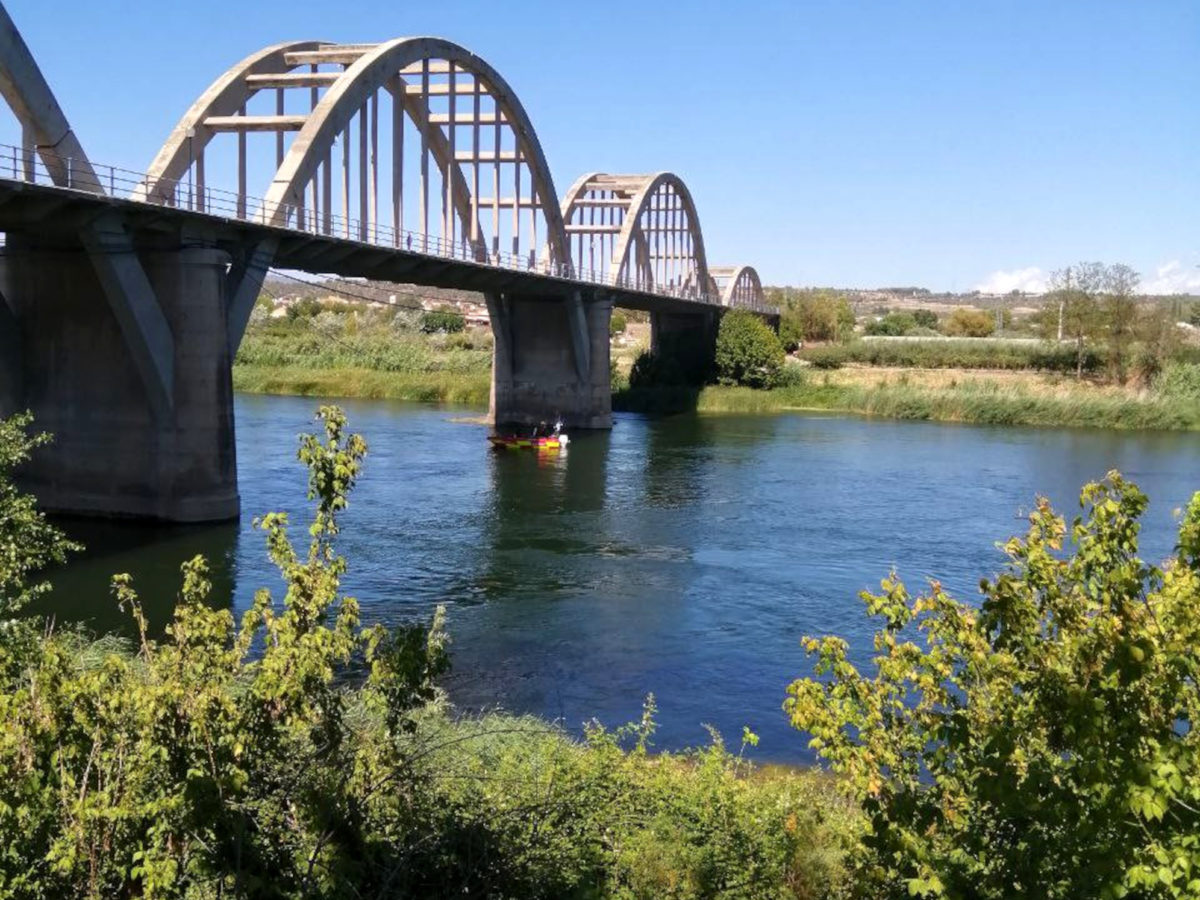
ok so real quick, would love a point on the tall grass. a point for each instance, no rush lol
(977, 402)
(456, 388)
(953, 354)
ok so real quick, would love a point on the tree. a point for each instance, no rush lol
(1073, 292)
(28, 542)
(970, 323)
(816, 315)
(748, 351)
(617, 323)
(1120, 311)
(1042, 744)
(925, 318)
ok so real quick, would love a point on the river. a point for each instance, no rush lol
(684, 556)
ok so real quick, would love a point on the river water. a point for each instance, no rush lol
(684, 556)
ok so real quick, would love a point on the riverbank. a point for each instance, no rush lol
(968, 396)
(942, 395)
(455, 388)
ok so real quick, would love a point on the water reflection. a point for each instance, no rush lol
(152, 554)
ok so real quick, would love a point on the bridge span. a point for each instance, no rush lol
(126, 294)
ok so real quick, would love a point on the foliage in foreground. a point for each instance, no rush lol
(299, 754)
(1042, 744)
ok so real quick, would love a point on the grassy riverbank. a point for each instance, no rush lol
(456, 388)
(991, 398)
(383, 355)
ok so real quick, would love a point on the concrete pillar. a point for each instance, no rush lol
(688, 339)
(10, 358)
(114, 452)
(551, 360)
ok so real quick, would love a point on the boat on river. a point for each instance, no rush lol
(540, 440)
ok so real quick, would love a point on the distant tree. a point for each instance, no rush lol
(1120, 311)
(1073, 293)
(1194, 318)
(748, 351)
(617, 323)
(925, 318)
(970, 323)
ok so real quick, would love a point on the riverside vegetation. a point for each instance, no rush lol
(1041, 743)
(1143, 379)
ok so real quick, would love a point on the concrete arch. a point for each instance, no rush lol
(224, 97)
(634, 196)
(45, 129)
(371, 73)
(739, 286)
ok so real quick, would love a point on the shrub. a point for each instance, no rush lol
(970, 323)
(1179, 381)
(925, 318)
(791, 333)
(894, 324)
(748, 351)
(304, 308)
(617, 323)
(445, 321)
(1042, 744)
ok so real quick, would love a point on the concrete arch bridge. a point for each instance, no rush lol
(126, 293)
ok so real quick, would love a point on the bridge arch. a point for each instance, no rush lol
(739, 286)
(638, 231)
(448, 106)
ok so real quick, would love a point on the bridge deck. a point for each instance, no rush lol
(53, 210)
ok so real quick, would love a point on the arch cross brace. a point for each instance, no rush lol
(134, 304)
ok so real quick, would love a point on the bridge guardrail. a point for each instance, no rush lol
(29, 165)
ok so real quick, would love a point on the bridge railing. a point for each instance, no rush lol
(29, 165)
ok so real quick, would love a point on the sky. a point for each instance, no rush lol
(855, 143)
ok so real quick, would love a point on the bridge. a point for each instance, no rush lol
(126, 293)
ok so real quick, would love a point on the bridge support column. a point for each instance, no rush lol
(551, 360)
(689, 340)
(119, 450)
(10, 357)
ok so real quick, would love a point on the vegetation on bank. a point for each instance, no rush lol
(296, 753)
(1041, 743)
(365, 350)
(983, 401)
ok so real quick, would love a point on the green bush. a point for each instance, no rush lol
(1179, 381)
(1041, 744)
(748, 351)
(976, 323)
(617, 323)
(955, 354)
(304, 308)
(894, 324)
(925, 318)
(445, 321)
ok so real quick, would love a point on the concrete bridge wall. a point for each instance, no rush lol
(551, 360)
(116, 453)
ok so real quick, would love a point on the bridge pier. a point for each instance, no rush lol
(124, 356)
(551, 360)
(688, 340)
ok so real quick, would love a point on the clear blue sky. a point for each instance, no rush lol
(867, 143)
